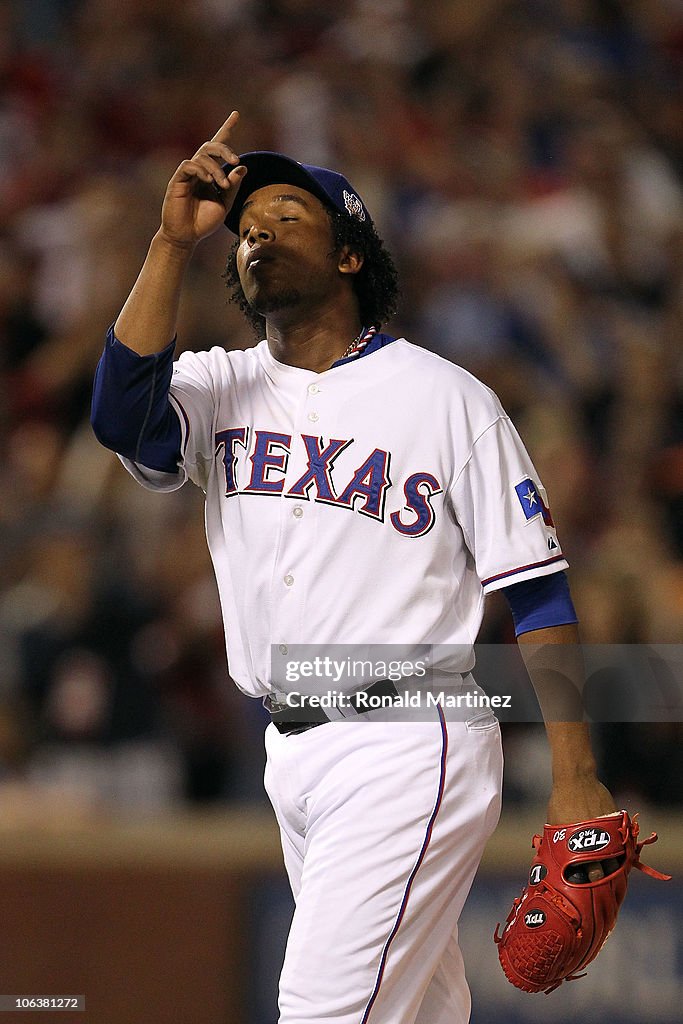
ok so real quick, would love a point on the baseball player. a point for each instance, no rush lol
(359, 491)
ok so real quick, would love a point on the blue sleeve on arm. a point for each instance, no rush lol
(542, 602)
(131, 413)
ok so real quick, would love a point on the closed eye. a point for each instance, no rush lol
(245, 231)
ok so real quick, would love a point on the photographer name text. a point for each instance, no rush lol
(406, 699)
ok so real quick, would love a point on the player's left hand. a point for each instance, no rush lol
(579, 799)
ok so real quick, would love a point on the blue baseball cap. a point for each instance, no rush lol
(329, 187)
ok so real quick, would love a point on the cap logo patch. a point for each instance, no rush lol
(353, 205)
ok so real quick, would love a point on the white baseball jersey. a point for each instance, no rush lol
(374, 503)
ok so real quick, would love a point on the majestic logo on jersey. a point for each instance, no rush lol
(265, 457)
(532, 502)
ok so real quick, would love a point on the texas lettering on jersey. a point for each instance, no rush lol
(263, 456)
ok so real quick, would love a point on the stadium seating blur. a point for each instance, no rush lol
(522, 161)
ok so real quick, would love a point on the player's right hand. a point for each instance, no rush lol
(201, 192)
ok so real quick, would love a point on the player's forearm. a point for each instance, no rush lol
(147, 322)
(555, 665)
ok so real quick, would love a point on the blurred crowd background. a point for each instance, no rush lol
(523, 163)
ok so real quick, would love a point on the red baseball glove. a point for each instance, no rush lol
(561, 920)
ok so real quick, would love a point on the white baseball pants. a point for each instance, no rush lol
(383, 825)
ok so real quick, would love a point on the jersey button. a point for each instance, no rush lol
(289, 579)
(313, 417)
(297, 512)
(313, 389)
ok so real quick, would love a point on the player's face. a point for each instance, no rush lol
(285, 259)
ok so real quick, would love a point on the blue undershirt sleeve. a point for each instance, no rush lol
(541, 602)
(131, 413)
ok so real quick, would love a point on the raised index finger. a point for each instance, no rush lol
(223, 133)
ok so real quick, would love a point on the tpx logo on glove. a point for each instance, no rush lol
(588, 839)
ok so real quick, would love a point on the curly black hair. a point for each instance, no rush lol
(375, 284)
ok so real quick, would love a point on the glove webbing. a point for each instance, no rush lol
(645, 868)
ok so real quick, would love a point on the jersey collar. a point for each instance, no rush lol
(286, 375)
